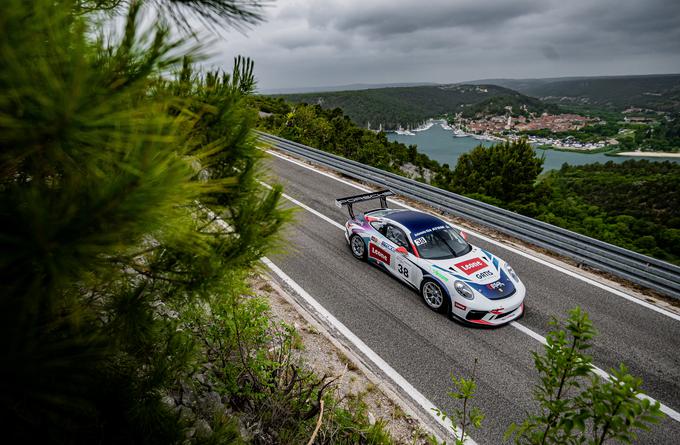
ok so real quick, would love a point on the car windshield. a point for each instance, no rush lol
(441, 244)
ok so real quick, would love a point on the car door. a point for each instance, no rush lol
(380, 249)
(402, 265)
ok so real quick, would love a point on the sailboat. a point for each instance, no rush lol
(403, 132)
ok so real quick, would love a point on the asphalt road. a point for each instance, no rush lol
(425, 347)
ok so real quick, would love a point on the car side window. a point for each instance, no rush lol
(379, 226)
(397, 236)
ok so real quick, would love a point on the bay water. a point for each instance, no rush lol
(442, 146)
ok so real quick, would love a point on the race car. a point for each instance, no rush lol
(429, 255)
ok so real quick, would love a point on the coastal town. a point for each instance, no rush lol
(513, 127)
(544, 130)
(563, 131)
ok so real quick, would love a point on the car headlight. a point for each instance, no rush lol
(511, 272)
(464, 290)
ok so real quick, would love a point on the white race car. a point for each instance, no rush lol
(431, 256)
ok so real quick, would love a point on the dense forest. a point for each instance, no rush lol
(655, 91)
(509, 104)
(634, 204)
(394, 107)
(662, 137)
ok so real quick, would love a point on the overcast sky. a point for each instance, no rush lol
(339, 42)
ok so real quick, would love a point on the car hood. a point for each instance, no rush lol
(481, 271)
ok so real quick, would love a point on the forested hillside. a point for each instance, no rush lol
(657, 92)
(514, 104)
(348, 87)
(409, 106)
(332, 131)
(635, 204)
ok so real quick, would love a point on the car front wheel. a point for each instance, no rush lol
(358, 247)
(434, 296)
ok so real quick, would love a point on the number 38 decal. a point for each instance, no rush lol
(402, 270)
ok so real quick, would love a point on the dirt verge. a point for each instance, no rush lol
(326, 355)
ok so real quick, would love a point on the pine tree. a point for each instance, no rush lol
(106, 170)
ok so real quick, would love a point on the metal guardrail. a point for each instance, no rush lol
(632, 266)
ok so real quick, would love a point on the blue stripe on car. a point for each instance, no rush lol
(502, 288)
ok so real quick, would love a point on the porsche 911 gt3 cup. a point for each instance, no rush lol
(429, 255)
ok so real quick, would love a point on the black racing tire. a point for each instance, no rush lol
(434, 296)
(358, 247)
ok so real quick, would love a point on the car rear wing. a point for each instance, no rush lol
(350, 200)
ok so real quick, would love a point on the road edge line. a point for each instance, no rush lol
(325, 317)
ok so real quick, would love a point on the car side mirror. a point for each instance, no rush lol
(464, 235)
(402, 250)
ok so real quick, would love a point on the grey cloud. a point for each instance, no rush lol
(384, 19)
(550, 53)
(376, 41)
(294, 41)
(631, 25)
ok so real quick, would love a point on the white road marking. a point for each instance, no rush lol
(506, 247)
(416, 395)
(529, 332)
(306, 207)
(670, 412)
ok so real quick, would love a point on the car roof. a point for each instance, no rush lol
(415, 222)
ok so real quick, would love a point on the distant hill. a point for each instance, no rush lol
(350, 87)
(515, 104)
(523, 86)
(392, 107)
(657, 92)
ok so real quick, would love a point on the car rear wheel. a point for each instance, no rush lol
(358, 247)
(434, 296)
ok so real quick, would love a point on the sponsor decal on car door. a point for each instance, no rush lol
(380, 255)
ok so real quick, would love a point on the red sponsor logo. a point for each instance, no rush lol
(471, 266)
(379, 254)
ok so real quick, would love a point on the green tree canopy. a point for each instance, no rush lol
(505, 171)
(105, 168)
